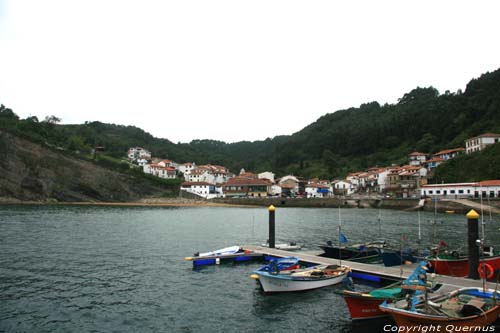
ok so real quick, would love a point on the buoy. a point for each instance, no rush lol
(487, 271)
(254, 276)
(188, 258)
(217, 261)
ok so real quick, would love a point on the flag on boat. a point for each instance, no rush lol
(342, 238)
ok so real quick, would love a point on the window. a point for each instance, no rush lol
(452, 191)
(460, 191)
(431, 192)
(438, 191)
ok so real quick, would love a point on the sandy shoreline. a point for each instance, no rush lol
(149, 202)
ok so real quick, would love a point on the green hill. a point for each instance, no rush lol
(337, 143)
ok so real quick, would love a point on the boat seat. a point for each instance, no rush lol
(451, 306)
(476, 302)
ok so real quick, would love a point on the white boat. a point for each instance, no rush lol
(300, 280)
(225, 251)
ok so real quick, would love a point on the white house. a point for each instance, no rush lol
(202, 189)
(316, 190)
(487, 188)
(275, 190)
(186, 168)
(382, 178)
(449, 153)
(136, 153)
(343, 187)
(266, 175)
(417, 158)
(478, 143)
(199, 175)
(142, 162)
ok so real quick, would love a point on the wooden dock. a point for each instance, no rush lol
(377, 270)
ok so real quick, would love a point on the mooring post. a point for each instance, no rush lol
(271, 210)
(473, 236)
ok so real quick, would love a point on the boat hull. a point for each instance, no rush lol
(459, 267)
(442, 321)
(393, 258)
(368, 255)
(409, 321)
(278, 283)
(362, 306)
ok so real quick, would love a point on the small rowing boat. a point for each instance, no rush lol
(302, 279)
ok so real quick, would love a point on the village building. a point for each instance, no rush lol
(186, 168)
(202, 189)
(434, 162)
(478, 143)
(136, 153)
(449, 153)
(318, 189)
(243, 186)
(485, 189)
(354, 179)
(417, 158)
(267, 175)
(208, 173)
(343, 187)
(160, 170)
(290, 186)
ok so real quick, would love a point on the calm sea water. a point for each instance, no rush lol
(116, 269)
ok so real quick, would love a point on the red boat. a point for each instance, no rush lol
(463, 310)
(366, 305)
(459, 266)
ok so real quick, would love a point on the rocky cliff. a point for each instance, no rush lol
(33, 172)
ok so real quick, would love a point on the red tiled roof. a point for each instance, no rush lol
(416, 153)
(490, 183)
(448, 151)
(247, 181)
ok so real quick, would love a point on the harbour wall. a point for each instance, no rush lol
(441, 206)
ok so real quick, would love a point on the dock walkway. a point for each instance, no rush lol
(378, 270)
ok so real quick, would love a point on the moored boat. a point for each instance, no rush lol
(392, 257)
(231, 254)
(454, 264)
(462, 310)
(301, 280)
(365, 305)
(366, 252)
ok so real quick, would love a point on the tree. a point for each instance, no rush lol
(52, 119)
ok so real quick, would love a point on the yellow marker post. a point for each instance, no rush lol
(472, 237)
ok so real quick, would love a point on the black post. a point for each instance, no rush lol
(473, 236)
(271, 227)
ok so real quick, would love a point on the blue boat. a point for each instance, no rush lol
(275, 265)
(392, 257)
(232, 254)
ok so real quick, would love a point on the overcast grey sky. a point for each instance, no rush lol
(234, 70)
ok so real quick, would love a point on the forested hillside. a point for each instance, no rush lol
(337, 143)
